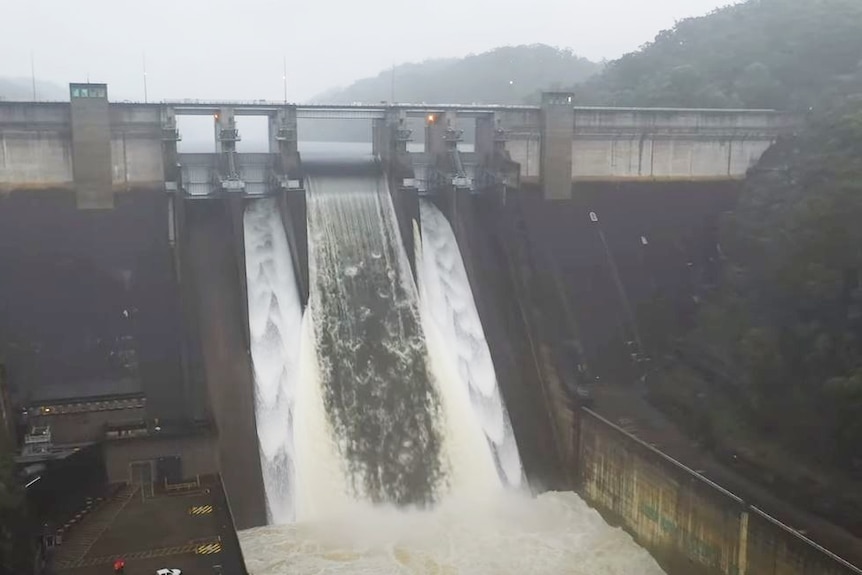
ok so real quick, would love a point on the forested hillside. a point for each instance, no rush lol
(777, 345)
(502, 76)
(786, 54)
(774, 352)
(507, 75)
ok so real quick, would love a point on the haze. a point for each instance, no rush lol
(236, 50)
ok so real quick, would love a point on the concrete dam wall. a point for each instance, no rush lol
(89, 301)
(151, 291)
(547, 269)
(215, 276)
(688, 523)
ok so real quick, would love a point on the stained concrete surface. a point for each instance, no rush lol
(88, 298)
(540, 274)
(211, 266)
(626, 406)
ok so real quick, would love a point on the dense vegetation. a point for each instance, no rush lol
(785, 54)
(777, 347)
(503, 76)
(774, 353)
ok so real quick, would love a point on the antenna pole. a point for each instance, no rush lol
(144, 61)
(284, 78)
(392, 85)
(33, 73)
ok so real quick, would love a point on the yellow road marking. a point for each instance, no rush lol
(208, 549)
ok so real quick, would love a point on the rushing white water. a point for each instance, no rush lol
(398, 412)
(384, 440)
(508, 533)
(274, 317)
(372, 364)
(450, 307)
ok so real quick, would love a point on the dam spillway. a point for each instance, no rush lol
(275, 316)
(394, 452)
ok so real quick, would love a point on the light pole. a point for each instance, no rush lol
(144, 64)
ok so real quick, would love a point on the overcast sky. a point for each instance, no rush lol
(235, 50)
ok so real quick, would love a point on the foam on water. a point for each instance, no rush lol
(449, 307)
(507, 533)
(321, 484)
(378, 398)
(373, 374)
(274, 318)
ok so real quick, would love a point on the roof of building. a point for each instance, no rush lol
(86, 390)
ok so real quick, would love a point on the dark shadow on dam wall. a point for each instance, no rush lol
(552, 288)
(649, 241)
(212, 256)
(88, 300)
(541, 275)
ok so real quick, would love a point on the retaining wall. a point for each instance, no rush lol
(689, 524)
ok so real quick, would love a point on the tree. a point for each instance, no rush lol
(784, 54)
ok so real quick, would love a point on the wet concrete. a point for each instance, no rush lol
(88, 299)
(216, 275)
(659, 240)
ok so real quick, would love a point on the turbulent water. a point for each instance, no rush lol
(274, 317)
(374, 373)
(385, 445)
(505, 534)
(449, 306)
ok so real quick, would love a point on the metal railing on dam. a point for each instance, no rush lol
(689, 523)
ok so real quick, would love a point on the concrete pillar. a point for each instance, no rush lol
(227, 136)
(284, 140)
(195, 386)
(292, 205)
(170, 137)
(486, 127)
(558, 126)
(91, 146)
(380, 139)
(236, 206)
(390, 136)
(407, 208)
(436, 125)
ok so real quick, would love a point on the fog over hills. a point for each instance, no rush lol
(22, 89)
